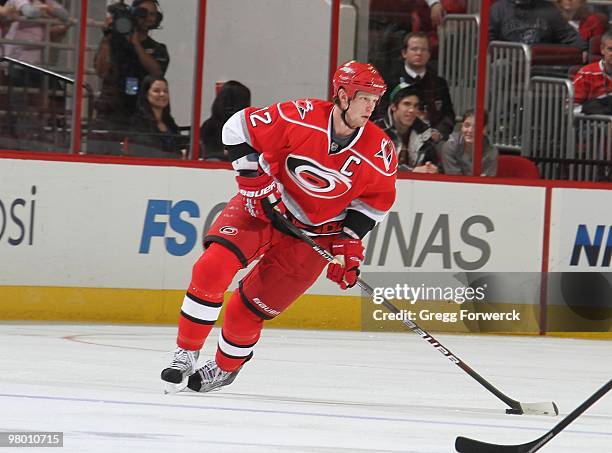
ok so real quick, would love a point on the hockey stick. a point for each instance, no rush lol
(465, 445)
(516, 407)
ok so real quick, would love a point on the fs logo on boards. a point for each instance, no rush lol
(592, 245)
(173, 223)
(163, 213)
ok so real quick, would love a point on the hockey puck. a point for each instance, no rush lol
(514, 411)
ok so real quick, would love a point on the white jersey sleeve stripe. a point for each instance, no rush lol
(374, 214)
(235, 131)
(311, 126)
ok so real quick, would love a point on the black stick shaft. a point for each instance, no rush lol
(575, 413)
(410, 324)
(443, 350)
(467, 445)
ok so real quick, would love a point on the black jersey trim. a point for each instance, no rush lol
(235, 152)
(358, 222)
(227, 244)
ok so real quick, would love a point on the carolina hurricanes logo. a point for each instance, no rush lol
(229, 230)
(303, 106)
(315, 179)
(386, 152)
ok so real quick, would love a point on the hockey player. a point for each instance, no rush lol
(331, 172)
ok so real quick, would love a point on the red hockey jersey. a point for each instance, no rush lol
(318, 186)
(592, 82)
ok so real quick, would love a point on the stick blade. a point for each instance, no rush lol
(540, 409)
(467, 445)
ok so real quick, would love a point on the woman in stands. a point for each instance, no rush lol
(153, 131)
(458, 151)
(587, 23)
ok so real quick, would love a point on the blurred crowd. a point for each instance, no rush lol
(418, 110)
(131, 113)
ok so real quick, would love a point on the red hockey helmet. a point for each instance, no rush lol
(354, 76)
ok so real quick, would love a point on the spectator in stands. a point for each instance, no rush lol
(440, 8)
(587, 23)
(33, 31)
(391, 20)
(7, 14)
(458, 151)
(30, 111)
(593, 82)
(153, 127)
(232, 97)
(531, 22)
(411, 134)
(434, 93)
(123, 61)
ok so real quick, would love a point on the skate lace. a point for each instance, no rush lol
(211, 373)
(183, 360)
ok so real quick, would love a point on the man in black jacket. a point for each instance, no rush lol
(432, 89)
(124, 60)
(531, 22)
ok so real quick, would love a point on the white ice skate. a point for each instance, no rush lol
(210, 377)
(182, 366)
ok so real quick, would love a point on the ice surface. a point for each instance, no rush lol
(304, 391)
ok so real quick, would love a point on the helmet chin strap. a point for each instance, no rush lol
(343, 116)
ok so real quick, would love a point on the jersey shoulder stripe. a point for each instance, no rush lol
(311, 113)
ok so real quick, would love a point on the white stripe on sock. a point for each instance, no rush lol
(234, 351)
(199, 311)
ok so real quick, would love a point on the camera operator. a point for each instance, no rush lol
(126, 55)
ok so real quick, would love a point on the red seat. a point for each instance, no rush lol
(595, 48)
(516, 167)
(555, 54)
(455, 6)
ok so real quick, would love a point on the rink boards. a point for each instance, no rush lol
(116, 243)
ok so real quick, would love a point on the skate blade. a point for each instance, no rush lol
(171, 389)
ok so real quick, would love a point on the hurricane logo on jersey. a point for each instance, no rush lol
(386, 152)
(303, 106)
(315, 179)
(229, 230)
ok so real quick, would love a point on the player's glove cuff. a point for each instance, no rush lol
(348, 255)
(254, 190)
